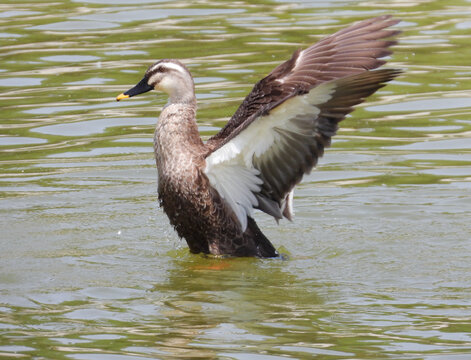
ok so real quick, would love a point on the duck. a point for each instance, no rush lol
(210, 190)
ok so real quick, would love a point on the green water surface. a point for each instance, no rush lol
(379, 254)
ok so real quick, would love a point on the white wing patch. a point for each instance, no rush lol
(230, 168)
(298, 60)
(296, 64)
(236, 184)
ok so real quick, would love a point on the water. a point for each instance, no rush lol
(379, 253)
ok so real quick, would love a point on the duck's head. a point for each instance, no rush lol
(169, 76)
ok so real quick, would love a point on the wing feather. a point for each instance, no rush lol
(282, 127)
(260, 166)
(349, 51)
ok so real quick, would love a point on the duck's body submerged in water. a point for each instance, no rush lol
(209, 190)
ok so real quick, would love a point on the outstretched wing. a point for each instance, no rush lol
(352, 50)
(283, 126)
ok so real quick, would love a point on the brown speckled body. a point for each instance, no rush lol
(194, 208)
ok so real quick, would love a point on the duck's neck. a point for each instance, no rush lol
(177, 141)
(183, 95)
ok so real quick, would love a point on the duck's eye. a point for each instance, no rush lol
(161, 69)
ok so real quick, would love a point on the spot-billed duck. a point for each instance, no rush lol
(210, 190)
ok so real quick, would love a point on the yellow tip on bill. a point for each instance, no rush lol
(121, 97)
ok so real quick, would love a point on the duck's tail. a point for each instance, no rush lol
(263, 247)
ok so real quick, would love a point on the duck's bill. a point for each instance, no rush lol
(140, 88)
(121, 97)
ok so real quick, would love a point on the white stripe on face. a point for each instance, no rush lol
(169, 65)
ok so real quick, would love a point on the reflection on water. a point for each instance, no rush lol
(427, 105)
(377, 258)
(83, 128)
(12, 82)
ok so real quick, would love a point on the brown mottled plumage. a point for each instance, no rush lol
(275, 137)
(194, 208)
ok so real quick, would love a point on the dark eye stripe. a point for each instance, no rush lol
(160, 69)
